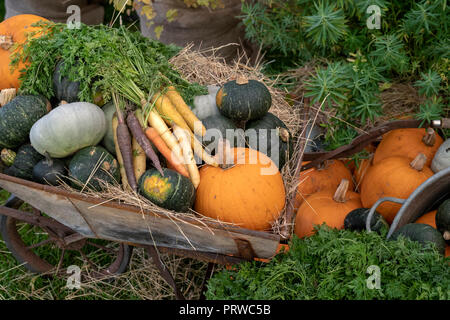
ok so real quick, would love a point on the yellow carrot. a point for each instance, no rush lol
(189, 160)
(139, 159)
(126, 186)
(167, 110)
(183, 109)
(163, 130)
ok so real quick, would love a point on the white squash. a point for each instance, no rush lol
(205, 106)
(68, 128)
(441, 159)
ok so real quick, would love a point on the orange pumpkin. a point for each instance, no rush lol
(325, 178)
(428, 218)
(326, 207)
(14, 31)
(408, 143)
(361, 171)
(447, 251)
(393, 177)
(250, 193)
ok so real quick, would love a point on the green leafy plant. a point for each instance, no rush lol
(333, 265)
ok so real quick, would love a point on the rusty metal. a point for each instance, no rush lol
(245, 249)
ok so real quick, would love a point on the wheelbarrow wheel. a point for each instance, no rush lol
(41, 250)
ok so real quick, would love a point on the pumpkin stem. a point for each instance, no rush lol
(6, 95)
(419, 162)
(223, 155)
(447, 235)
(241, 80)
(341, 191)
(430, 138)
(6, 42)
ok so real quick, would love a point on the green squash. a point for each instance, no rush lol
(49, 171)
(443, 219)
(64, 89)
(422, 233)
(243, 101)
(18, 116)
(68, 128)
(92, 165)
(270, 136)
(27, 157)
(8, 156)
(172, 192)
(356, 220)
(217, 127)
(108, 140)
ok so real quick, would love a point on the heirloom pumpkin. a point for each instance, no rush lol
(428, 218)
(250, 193)
(64, 89)
(243, 100)
(326, 207)
(18, 117)
(408, 143)
(14, 31)
(394, 177)
(68, 128)
(422, 233)
(216, 124)
(443, 219)
(49, 171)
(27, 157)
(326, 177)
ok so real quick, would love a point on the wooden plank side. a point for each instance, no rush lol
(118, 224)
(56, 206)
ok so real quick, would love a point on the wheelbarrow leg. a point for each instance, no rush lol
(165, 273)
(208, 274)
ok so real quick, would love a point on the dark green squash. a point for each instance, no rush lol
(18, 116)
(242, 100)
(49, 171)
(422, 233)
(356, 220)
(172, 192)
(64, 89)
(92, 165)
(260, 137)
(217, 126)
(443, 219)
(27, 157)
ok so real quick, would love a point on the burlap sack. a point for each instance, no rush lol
(56, 10)
(204, 27)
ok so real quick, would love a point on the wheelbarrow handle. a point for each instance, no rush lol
(376, 205)
(443, 123)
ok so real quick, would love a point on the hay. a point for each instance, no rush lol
(206, 68)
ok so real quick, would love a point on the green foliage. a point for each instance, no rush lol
(101, 59)
(413, 40)
(333, 265)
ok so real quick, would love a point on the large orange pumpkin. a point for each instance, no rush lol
(326, 207)
(408, 143)
(14, 31)
(325, 178)
(394, 177)
(248, 193)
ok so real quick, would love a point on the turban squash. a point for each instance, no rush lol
(13, 31)
(249, 194)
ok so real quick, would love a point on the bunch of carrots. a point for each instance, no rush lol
(170, 126)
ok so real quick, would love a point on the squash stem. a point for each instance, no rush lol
(430, 138)
(419, 162)
(341, 191)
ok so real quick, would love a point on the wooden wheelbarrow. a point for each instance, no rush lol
(75, 222)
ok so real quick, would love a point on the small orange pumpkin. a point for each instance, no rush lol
(325, 177)
(428, 218)
(14, 31)
(248, 193)
(408, 143)
(393, 177)
(326, 207)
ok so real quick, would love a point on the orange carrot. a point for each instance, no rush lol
(159, 143)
